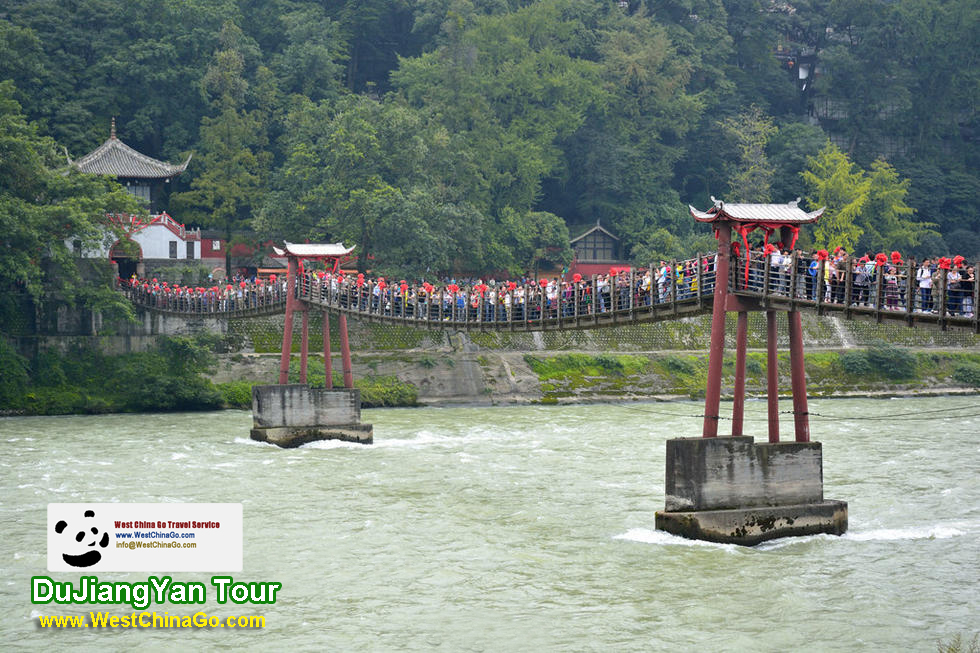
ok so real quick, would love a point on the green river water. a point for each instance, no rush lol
(519, 529)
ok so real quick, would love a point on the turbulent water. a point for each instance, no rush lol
(520, 529)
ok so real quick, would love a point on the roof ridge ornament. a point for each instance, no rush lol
(795, 203)
(112, 129)
(718, 203)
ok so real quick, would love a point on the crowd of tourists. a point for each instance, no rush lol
(881, 281)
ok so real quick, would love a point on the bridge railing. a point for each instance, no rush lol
(880, 290)
(857, 286)
(629, 295)
(234, 301)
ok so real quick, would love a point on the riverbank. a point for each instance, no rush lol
(514, 378)
(183, 373)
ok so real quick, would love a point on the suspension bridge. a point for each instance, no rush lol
(726, 489)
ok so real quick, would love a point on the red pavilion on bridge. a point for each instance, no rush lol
(742, 219)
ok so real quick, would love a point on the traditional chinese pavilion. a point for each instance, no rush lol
(732, 223)
(156, 237)
(141, 175)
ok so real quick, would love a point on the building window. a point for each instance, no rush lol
(173, 249)
(595, 247)
(190, 249)
(76, 245)
(140, 191)
(215, 245)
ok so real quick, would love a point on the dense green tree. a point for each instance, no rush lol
(833, 181)
(788, 151)
(312, 63)
(752, 174)
(233, 166)
(44, 208)
(888, 221)
(574, 108)
(866, 211)
(368, 173)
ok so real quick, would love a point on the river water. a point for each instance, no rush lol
(520, 529)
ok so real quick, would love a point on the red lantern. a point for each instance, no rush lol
(228, 287)
(958, 260)
(613, 272)
(769, 249)
(360, 281)
(272, 277)
(543, 282)
(896, 258)
(321, 274)
(880, 259)
(241, 284)
(511, 286)
(576, 277)
(822, 255)
(944, 263)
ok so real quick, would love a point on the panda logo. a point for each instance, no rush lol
(86, 539)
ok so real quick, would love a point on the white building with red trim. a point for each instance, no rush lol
(156, 237)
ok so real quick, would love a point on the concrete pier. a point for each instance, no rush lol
(294, 414)
(730, 489)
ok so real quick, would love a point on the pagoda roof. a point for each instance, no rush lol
(782, 214)
(313, 250)
(116, 159)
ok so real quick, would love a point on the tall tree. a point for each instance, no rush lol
(44, 209)
(751, 178)
(889, 222)
(836, 183)
(234, 163)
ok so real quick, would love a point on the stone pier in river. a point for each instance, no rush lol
(294, 414)
(730, 489)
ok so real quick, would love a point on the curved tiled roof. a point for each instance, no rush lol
(314, 250)
(116, 159)
(766, 213)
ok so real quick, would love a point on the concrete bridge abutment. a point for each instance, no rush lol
(294, 414)
(732, 490)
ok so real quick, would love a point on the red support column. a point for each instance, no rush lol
(287, 332)
(327, 364)
(304, 345)
(772, 376)
(741, 344)
(712, 395)
(345, 353)
(801, 415)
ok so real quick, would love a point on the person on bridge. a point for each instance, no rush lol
(924, 277)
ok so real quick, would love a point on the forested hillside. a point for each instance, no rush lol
(472, 135)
